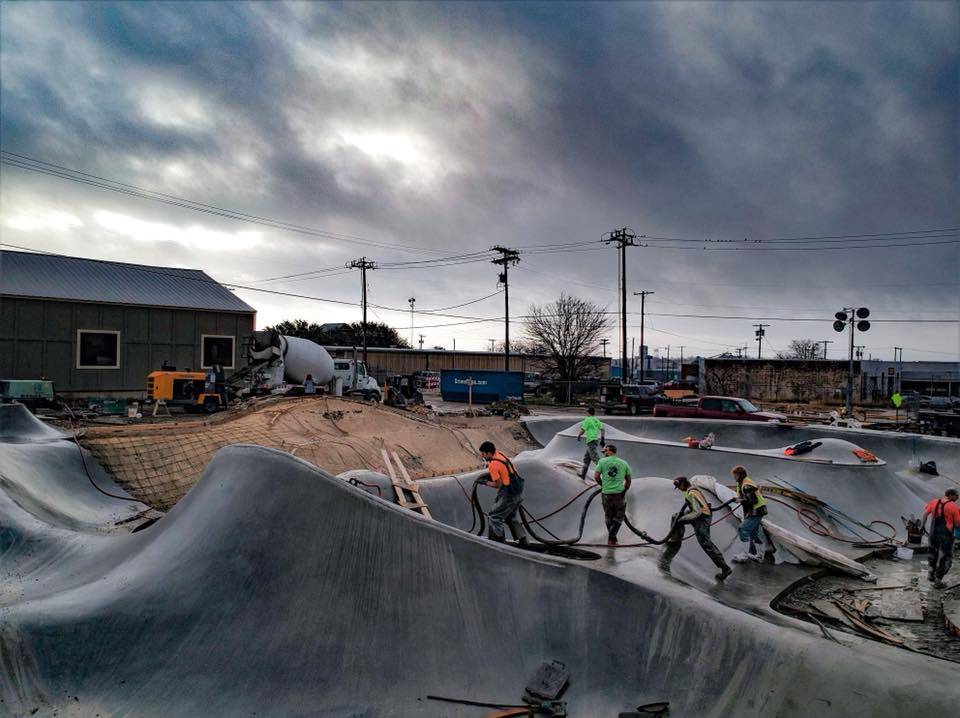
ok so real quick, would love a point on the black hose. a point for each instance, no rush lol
(83, 460)
(526, 518)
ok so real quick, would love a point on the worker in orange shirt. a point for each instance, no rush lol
(509, 484)
(946, 516)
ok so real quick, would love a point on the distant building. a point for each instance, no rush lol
(98, 328)
(800, 380)
(384, 362)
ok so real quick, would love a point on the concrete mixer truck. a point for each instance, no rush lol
(276, 362)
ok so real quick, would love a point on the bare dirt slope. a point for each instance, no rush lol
(159, 463)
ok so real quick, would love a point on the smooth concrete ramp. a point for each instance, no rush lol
(17, 424)
(276, 589)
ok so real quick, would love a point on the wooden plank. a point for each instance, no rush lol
(386, 461)
(402, 468)
(404, 486)
(865, 627)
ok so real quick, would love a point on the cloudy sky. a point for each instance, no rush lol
(419, 135)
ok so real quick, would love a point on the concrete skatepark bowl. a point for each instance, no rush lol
(276, 589)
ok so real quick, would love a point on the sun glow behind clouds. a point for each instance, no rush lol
(414, 155)
(44, 221)
(192, 237)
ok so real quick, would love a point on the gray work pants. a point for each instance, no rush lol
(591, 454)
(505, 510)
(701, 529)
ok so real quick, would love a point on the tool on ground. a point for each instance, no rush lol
(658, 708)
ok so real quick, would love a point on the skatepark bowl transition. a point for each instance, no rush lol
(276, 589)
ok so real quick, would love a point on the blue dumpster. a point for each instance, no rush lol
(487, 386)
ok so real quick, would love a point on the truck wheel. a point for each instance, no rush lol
(376, 397)
(633, 409)
(210, 405)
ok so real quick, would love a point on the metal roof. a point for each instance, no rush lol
(54, 276)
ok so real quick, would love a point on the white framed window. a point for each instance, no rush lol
(98, 349)
(217, 349)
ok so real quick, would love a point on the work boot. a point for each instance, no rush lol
(744, 555)
(611, 541)
(724, 572)
(493, 537)
(939, 583)
(522, 542)
(930, 577)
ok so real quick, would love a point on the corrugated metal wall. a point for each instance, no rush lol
(408, 361)
(39, 338)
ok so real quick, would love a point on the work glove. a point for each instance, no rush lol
(602, 442)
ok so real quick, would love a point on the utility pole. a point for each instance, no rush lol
(859, 348)
(624, 238)
(643, 299)
(739, 352)
(825, 342)
(363, 264)
(603, 343)
(680, 373)
(759, 333)
(669, 365)
(900, 369)
(492, 344)
(412, 300)
(506, 258)
(633, 356)
(421, 341)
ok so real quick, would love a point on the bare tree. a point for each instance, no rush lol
(801, 349)
(569, 331)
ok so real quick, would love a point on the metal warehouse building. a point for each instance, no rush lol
(98, 328)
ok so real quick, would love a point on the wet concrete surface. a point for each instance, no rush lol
(274, 588)
(930, 635)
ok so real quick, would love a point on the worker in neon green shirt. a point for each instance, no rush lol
(593, 429)
(613, 475)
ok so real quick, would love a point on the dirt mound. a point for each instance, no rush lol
(159, 463)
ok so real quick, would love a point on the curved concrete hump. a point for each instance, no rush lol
(17, 424)
(274, 588)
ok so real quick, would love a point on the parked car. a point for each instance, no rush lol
(717, 407)
(534, 383)
(630, 398)
(943, 402)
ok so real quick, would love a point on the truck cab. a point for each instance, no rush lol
(356, 381)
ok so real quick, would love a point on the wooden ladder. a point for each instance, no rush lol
(408, 492)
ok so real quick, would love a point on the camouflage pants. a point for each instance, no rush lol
(614, 511)
(591, 454)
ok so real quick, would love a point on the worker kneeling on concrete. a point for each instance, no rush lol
(946, 517)
(696, 512)
(754, 509)
(504, 476)
(613, 475)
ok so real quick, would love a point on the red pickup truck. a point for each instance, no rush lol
(717, 407)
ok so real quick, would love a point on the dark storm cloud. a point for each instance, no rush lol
(455, 126)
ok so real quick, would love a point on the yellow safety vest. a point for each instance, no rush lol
(750, 482)
(694, 498)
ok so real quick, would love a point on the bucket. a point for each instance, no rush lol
(904, 554)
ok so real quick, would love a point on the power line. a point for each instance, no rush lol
(47, 168)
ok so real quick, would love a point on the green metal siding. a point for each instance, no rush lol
(39, 339)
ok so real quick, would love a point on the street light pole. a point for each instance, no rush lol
(850, 315)
(412, 300)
